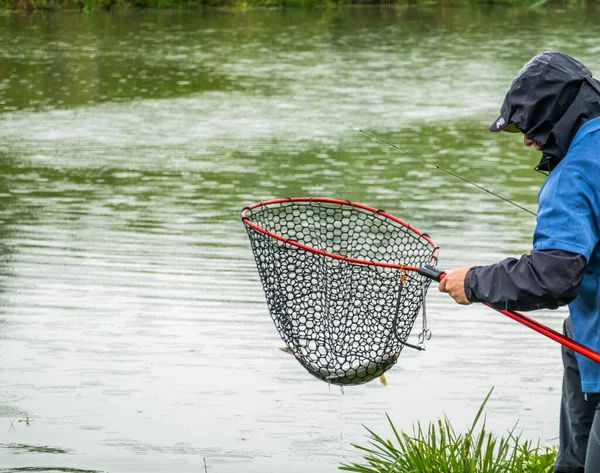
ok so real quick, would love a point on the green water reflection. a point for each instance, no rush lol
(129, 144)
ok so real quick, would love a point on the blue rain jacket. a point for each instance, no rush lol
(569, 220)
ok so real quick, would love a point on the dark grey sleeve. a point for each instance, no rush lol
(541, 280)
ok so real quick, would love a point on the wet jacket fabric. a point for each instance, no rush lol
(555, 102)
(567, 229)
(542, 280)
(569, 219)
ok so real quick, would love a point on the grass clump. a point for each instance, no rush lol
(439, 449)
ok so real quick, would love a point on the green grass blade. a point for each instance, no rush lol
(440, 449)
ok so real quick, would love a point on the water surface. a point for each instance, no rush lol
(134, 332)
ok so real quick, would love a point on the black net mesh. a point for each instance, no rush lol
(345, 322)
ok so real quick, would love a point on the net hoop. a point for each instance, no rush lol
(319, 251)
(341, 282)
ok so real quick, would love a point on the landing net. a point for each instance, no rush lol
(332, 272)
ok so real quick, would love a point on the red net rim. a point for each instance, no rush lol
(367, 208)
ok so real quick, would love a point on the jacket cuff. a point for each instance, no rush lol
(468, 286)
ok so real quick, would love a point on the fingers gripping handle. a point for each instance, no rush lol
(437, 274)
(432, 272)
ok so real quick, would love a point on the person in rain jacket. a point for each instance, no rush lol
(555, 103)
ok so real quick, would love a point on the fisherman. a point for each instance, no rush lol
(555, 103)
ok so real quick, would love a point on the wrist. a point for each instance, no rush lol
(468, 286)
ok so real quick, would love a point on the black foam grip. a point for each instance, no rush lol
(431, 272)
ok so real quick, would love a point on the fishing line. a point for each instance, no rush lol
(386, 187)
(445, 170)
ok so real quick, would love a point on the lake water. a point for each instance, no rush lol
(134, 333)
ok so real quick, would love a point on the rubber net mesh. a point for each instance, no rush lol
(345, 322)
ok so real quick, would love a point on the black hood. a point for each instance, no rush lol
(552, 96)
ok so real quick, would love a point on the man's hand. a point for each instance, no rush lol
(454, 284)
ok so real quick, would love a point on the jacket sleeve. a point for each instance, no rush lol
(545, 279)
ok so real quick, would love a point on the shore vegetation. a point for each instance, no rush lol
(99, 5)
(440, 449)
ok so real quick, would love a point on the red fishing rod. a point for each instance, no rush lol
(437, 274)
(287, 206)
(344, 283)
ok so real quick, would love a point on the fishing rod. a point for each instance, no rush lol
(370, 135)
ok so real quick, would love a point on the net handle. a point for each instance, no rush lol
(428, 271)
(319, 251)
(437, 274)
